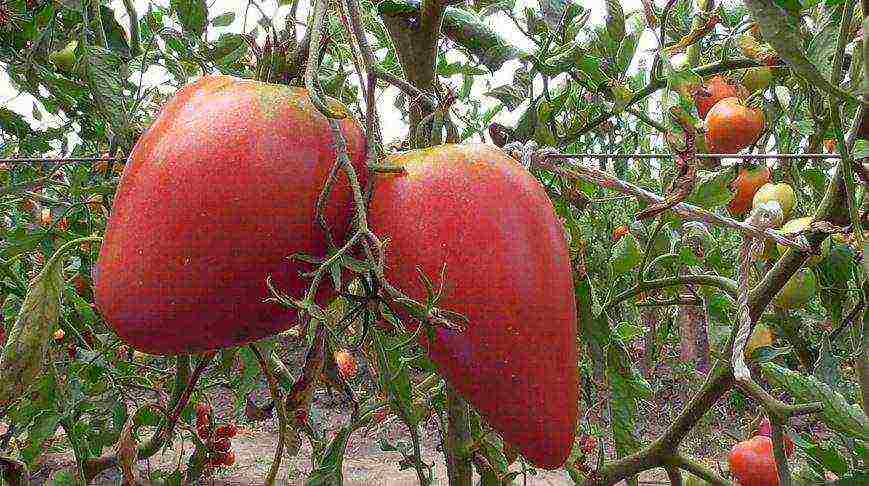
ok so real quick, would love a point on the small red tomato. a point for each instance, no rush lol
(63, 225)
(203, 420)
(59, 335)
(203, 409)
(222, 445)
(226, 431)
(347, 364)
(752, 462)
(229, 459)
(204, 431)
(72, 351)
(619, 232)
(45, 217)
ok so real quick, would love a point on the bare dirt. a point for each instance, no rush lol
(367, 464)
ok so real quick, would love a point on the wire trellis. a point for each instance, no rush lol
(36, 160)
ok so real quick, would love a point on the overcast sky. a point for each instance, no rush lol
(392, 126)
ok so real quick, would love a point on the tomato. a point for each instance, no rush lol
(64, 59)
(347, 364)
(620, 231)
(757, 79)
(831, 145)
(711, 92)
(799, 224)
(798, 291)
(761, 337)
(216, 194)
(765, 430)
(731, 126)
(477, 211)
(782, 193)
(752, 462)
(59, 335)
(745, 186)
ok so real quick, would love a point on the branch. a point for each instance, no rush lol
(135, 49)
(687, 211)
(277, 398)
(654, 85)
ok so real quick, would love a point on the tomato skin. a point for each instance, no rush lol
(731, 126)
(752, 462)
(482, 214)
(746, 185)
(215, 196)
(620, 231)
(714, 90)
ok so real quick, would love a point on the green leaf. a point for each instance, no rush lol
(594, 331)
(627, 332)
(614, 16)
(816, 178)
(83, 309)
(41, 430)
(193, 15)
(712, 189)
(861, 149)
(223, 19)
(623, 378)
(837, 413)
(509, 95)
(102, 70)
(328, 472)
(626, 255)
(228, 49)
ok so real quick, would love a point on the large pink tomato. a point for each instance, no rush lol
(480, 213)
(215, 197)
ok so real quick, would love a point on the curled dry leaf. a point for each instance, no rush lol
(22, 358)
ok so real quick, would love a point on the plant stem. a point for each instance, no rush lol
(277, 397)
(458, 437)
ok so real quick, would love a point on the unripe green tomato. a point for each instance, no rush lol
(782, 193)
(626, 255)
(798, 291)
(799, 224)
(64, 59)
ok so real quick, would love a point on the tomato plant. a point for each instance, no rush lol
(432, 242)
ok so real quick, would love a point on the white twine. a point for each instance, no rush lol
(764, 216)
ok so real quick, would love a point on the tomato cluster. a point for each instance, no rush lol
(217, 440)
(731, 125)
(224, 185)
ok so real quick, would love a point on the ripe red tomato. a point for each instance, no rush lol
(712, 92)
(752, 462)
(347, 364)
(745, 185)
(226, 431)
(216, 195)
(731, 126)
(480, 213)
(619, 232)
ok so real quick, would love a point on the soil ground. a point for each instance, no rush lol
(366, 464)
